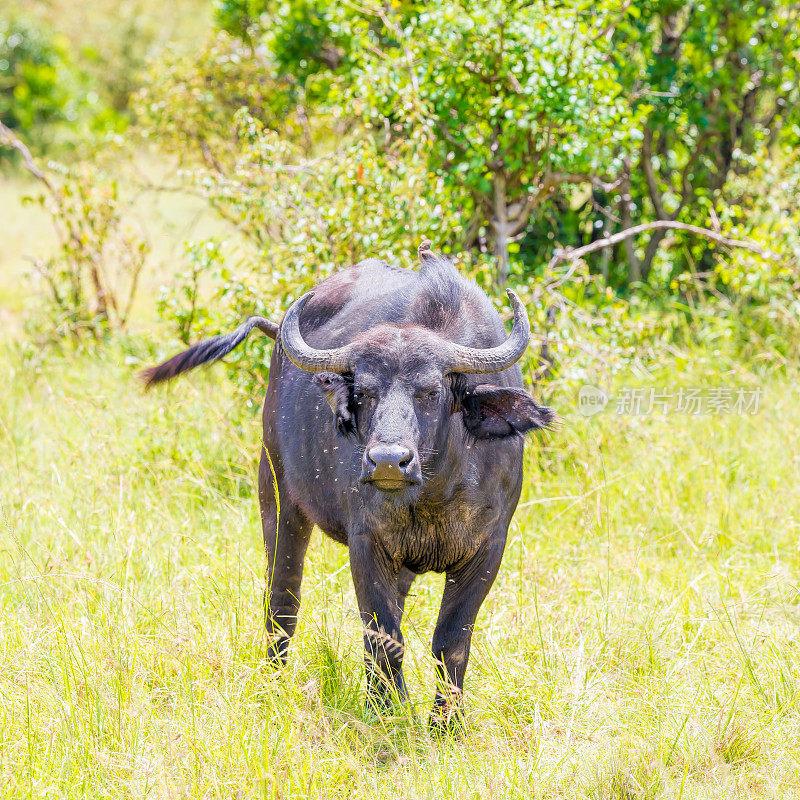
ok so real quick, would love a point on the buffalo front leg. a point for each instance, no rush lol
(286, 537)
(377, 591)
(464, 592)
(404, 580)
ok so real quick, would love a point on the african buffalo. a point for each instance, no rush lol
(414, 462)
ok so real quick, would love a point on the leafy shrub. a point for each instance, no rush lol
(47, 94)
(92, 279)
(302, 218)
(240, 18)
(183, 303)
(188, 102)
(35, 79)
(438, 121)
(508, 128)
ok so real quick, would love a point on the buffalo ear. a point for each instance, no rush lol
(494, 412)
(337, 392)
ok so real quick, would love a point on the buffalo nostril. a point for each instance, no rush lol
(388, 461)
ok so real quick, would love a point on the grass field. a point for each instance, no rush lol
(641, 640)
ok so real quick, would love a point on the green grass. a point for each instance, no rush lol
(641, 640)
(29, 235)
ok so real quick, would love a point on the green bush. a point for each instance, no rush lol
(188, 102)
(91, 279)
(35, 80)
(46, 95)
(502, 133)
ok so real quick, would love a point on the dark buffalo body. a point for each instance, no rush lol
(396, 443)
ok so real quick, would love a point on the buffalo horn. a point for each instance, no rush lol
(301, 354)
(495, 359)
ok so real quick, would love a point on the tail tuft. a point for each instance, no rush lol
(206, 352)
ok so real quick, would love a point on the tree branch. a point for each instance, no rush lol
(573, 255)
(687, 190)
(608, 31)
(64, 227)
(550, 182)
(10, 139)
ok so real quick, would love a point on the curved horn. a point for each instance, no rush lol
(301, 354)
(495, 359)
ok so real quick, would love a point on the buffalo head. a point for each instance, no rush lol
(395, 387)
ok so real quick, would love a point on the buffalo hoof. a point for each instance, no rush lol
(447, 722)
(277, 653)
(388, 702)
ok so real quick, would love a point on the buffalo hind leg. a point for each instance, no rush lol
(285, 541)
(380, 602)
(464, 592)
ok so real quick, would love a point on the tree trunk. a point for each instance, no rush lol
(500, 228)
(650, 253)
(605, 260)
(634, 265)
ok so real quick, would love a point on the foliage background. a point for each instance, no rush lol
(315, 134)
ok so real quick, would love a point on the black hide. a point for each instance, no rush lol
(412, 467)
(465, 434)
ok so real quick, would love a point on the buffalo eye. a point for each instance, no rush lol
(429, 394)
(363, 396)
